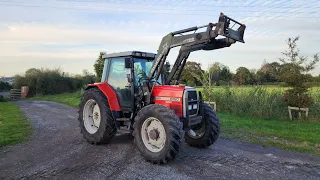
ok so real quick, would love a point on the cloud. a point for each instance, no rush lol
(70, 34)
(40, 33)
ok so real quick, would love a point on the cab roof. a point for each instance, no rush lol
(130, 53)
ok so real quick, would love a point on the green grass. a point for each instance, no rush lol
(71, 99)
(290, 135)
(14, 127)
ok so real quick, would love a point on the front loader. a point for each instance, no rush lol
(139, 93)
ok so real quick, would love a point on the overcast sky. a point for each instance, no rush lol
(70, 34)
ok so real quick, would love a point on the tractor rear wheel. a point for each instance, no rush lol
(207, 132)
(96, 121)
(157, 133)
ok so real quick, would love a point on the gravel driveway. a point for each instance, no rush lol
(58, 151)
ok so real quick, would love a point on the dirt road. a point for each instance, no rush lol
(58, 151)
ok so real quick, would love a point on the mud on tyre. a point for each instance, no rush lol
(157, 133)
(207, 132)
(95, 117)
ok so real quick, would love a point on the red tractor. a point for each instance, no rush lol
(139, 93)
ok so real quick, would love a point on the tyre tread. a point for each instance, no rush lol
(209, 138)
(101, 137)
(174, 128)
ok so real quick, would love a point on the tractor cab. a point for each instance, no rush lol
(125, 73)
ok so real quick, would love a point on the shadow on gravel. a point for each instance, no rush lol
(122, 139)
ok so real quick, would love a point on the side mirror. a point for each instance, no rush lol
(127, 62)
(167, 66)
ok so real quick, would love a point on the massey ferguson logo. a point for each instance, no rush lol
(189, 40)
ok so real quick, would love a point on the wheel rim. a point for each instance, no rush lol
(198, 131)
(91, 116)
(153, 134)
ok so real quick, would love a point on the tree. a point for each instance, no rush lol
(260, 76)
(219, 73)
(294, 72)
(214, 73)
(225, 74)
(269, 72)
(242, 76)
(188, 74)
(98, 65)
(253, 76)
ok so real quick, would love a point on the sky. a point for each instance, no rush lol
(69, 34)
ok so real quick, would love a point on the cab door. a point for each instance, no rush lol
(117, 79)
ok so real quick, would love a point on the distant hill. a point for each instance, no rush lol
(7, 79)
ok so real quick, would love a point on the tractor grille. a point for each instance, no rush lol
(192, 102)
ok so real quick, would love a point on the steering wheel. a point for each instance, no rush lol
(157, 82)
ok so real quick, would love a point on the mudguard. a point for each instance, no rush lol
(109, 93)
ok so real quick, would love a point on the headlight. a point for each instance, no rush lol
(189, 107)
(195, 106)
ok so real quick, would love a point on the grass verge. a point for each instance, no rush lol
(14, 127)
(290, 135)
(71, 99)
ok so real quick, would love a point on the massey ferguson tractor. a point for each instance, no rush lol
(140, 93)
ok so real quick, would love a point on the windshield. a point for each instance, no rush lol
(141, 70)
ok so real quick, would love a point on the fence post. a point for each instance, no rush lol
(15, 94)
(298, 109)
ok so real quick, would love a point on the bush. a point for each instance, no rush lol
(46, 81)
(2, 99)
(4, 86)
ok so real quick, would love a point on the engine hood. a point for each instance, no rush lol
(170, 90)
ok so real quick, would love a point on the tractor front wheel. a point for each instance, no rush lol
(207, 132)
(95, 117)
(157, 133)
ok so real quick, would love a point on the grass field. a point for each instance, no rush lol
(290, 135)
(258, 101)
(14, 127)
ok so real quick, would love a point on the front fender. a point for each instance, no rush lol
(109, 93)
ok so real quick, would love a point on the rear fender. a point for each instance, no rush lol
(109, 93)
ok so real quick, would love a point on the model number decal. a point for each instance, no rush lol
(167, 98)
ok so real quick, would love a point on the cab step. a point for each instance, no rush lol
(123, 119)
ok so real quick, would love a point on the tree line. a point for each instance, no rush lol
(51, 81)
(219, 74)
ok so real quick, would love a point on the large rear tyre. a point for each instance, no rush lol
(157, 133)
(207, 132)
(96, 121)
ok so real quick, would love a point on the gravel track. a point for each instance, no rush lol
(58, 151)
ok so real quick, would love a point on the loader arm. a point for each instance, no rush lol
(193, 42)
